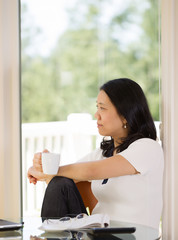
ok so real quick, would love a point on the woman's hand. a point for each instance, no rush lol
(35, 173)
(37, 161)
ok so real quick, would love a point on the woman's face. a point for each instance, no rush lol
(109, 122)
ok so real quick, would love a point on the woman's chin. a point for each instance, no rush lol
(102, 133)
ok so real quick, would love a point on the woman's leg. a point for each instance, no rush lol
(61, 198)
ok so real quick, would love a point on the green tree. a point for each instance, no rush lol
(88, 54)
(142, 56)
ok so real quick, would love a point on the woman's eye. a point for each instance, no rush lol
(99, 107)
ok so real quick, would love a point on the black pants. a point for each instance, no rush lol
(62, 198)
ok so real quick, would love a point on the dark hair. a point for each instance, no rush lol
(130, 102)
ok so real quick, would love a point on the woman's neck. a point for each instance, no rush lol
(117, 142)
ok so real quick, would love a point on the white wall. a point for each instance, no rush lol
(169, 66)
(10, 205)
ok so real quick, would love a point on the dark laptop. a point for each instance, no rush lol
(8, 225)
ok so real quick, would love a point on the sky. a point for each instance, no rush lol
(48, 14)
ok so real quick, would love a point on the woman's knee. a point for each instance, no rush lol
(59, 182)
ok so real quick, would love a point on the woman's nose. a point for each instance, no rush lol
(96, 115)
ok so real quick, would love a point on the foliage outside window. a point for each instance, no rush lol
(103, 40)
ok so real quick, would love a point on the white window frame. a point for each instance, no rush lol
(10, 164)
(10, 168)
(169, 68)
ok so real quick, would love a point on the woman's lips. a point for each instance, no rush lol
(99, 125)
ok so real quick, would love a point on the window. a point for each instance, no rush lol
(66, 56)
(169, 71)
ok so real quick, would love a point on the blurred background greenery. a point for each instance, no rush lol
(101, 42)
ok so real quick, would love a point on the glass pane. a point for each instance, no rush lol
(69, 49)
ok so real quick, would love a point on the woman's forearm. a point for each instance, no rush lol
(110, 167)
(78, 171)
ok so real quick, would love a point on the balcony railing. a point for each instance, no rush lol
(73, 139)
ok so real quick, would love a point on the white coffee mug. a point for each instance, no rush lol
(50, 163)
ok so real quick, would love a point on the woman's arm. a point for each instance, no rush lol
(109, 167)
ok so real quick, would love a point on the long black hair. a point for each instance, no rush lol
(130, 102)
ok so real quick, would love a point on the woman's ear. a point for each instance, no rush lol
(124, 121)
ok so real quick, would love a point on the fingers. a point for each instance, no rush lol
(35, 173)
(37, 163)
(31, 178)
(37, 158)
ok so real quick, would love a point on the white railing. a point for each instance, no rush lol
(73, 139)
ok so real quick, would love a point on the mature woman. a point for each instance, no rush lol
(126, 171)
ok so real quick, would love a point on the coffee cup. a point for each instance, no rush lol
(50, 163)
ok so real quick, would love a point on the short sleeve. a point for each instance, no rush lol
(144, 154)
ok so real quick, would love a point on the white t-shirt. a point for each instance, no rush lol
(133, 198)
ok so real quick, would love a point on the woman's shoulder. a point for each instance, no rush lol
(144, 147)
(147, 146)
(143, 154)
(146, 143)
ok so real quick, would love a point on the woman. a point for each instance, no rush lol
(126, 172)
